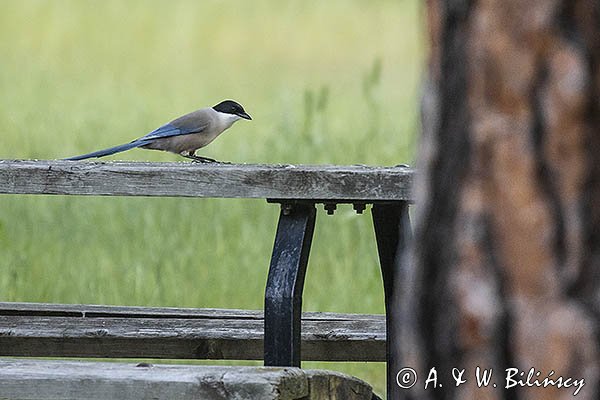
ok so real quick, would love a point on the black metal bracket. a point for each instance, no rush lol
(392, 232)
(285, 283)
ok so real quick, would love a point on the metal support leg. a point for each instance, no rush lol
(392, 231)
(283, 295)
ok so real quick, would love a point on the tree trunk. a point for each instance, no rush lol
(505, 270)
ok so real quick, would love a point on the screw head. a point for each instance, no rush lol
(286, 209)
(359, 207)
(330, 208)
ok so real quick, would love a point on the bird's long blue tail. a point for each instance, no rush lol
(109, 151)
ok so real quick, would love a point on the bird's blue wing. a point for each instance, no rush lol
(170, 129)
(164, 131)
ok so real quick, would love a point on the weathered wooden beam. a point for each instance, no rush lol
(93, 310)
(45, 380)
(185, 179)
(43, 330)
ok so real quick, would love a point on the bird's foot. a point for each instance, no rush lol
(203, 160)
(196, 158)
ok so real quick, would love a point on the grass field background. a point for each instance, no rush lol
(327, 82)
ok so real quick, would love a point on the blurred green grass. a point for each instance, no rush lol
(333, 82)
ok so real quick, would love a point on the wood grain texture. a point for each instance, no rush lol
(46, 330)
(93, 310)
(297, 182)
(44, 379)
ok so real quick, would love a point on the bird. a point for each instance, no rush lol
(183, 135)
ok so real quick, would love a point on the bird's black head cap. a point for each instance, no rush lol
(231, 107)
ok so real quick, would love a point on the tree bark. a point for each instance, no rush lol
(504, 271)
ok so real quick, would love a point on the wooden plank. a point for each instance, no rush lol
(40, 329)
(45, 379)
(183, 338)
(335, 385)
(93, 311)
(298, 182)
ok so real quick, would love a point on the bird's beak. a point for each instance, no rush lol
(244, 115)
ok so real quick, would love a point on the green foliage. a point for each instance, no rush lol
(314, 124)
(370, 84)
(331, 82)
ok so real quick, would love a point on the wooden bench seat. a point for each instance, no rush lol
(62, 330)
(54, 380)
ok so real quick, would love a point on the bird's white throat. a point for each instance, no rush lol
(227, 118)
